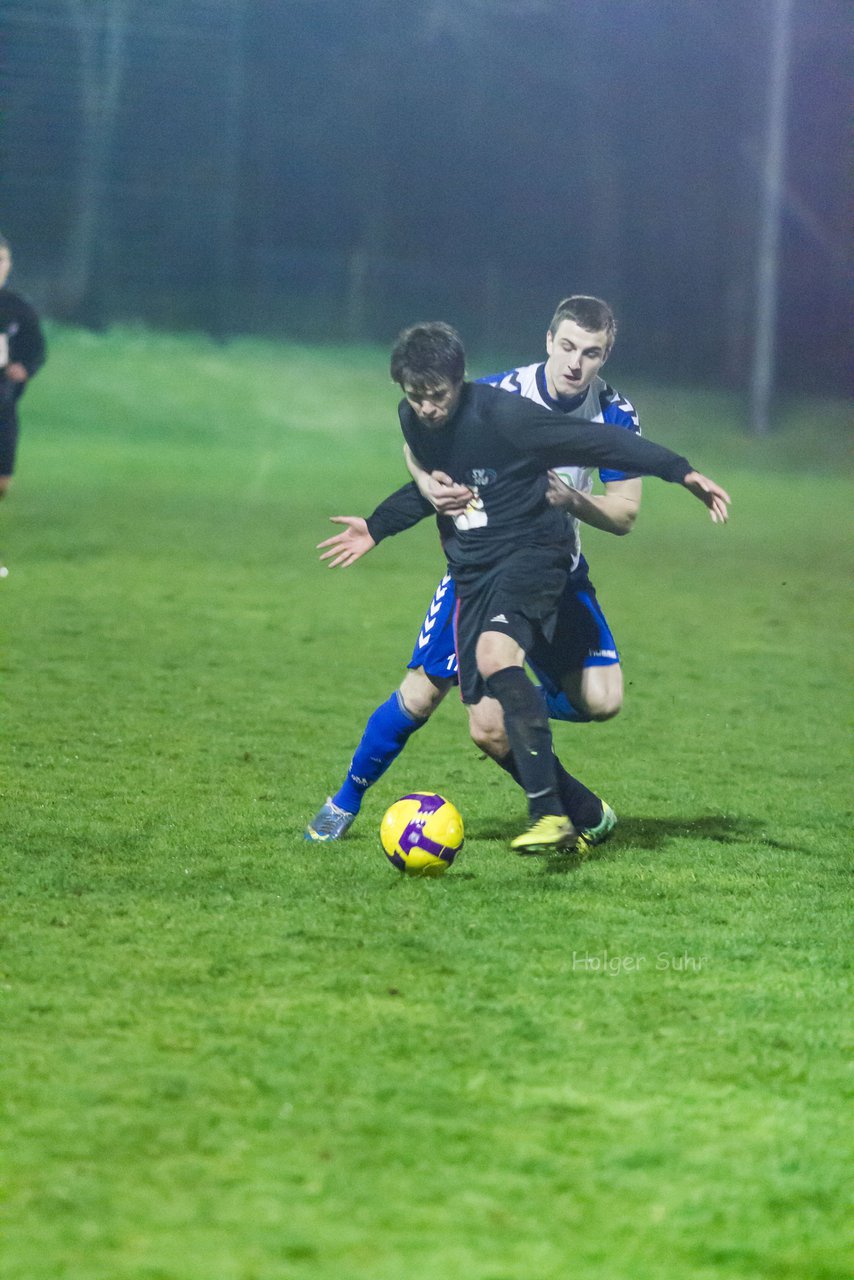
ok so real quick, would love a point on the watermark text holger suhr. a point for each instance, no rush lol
(614, 964)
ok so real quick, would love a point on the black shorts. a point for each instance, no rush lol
(518, 597)
(8, 439)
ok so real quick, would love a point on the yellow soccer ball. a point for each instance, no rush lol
(422, 834)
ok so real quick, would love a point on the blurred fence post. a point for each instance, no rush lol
(770, 214)
(101, 34)
(228, 188)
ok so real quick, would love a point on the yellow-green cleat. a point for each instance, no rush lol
(589, 837)
(548, 835)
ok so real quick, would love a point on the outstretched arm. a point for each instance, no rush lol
(399, 511)
(710, 494)
(345, 548)
(615, 510)
(556, 441)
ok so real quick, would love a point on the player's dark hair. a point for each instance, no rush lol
(590, 313)
(427, 354)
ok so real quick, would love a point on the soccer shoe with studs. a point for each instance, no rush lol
(589, 837)
(548, 835)
(329, 823)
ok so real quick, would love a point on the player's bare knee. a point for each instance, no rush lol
(601, 697)
(603, 704)
(606, 709)
(421, 694)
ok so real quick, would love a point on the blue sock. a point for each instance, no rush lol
(385, 736)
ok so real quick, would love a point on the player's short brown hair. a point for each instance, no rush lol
(590, 313)
(426, 354)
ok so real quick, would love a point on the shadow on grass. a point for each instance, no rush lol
(654, 833)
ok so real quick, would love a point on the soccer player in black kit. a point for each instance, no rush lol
(22, 354)
(509, 551)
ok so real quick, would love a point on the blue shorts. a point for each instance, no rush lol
(435, 650)
(582, 636)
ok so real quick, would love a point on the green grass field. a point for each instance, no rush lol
(231, 1055)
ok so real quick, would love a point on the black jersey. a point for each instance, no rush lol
(21, 341)
(501, 447)
(24, 337)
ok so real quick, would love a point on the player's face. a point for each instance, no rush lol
(575, 357)
(5, 265)
(435, 405)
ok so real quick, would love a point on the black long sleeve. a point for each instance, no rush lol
(398, 512)
(555, 440)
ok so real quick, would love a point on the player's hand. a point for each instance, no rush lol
(349, 546)
(16, 372)
(443, 493)
(561, 494)
(709, 493)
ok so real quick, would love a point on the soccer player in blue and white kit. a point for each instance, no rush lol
(579, 341)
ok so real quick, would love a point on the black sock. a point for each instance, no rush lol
(582, 805)
(530, 739)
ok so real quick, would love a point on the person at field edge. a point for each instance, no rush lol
(22, 354)
(579, 340)
(510, 549)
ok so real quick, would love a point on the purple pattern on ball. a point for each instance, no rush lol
(412, 837)
(427, 803)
